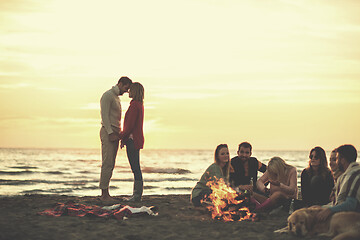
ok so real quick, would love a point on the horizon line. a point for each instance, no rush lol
(157, 149)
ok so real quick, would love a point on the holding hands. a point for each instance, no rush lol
(122, 144)
(116, 137)
(113, 137)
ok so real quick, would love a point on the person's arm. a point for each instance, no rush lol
(213, 173)
(105, 104)
(261, 167)
(349, 204)
(305, 186)
(260, 184)
(291, 189)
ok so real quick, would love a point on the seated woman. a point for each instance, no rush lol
(333, 166)
(219, 169)
(317, 180)
(283, 185)
(336, 172)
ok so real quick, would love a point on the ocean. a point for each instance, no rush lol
(76, 171)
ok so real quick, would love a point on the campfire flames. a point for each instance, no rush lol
(227, 204)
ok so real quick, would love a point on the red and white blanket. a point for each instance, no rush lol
(80, 210)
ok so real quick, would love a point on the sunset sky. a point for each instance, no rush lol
(281, 74)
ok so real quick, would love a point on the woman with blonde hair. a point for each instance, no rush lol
(283, 184)
(220, 169)
(317, 180)
(133, 137)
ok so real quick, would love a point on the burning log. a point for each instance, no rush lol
(227, 204)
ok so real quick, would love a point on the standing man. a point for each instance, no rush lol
(110, 109)
(347, 188)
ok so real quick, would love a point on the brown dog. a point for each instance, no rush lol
(343, 225)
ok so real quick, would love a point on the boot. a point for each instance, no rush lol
(253, 204)
(264, 206)
(137, 192)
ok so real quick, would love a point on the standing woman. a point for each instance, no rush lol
(317, 180)
(220, 169)
(132, 136)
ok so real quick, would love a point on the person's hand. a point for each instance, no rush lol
(324, 214)
(113, 137)
(246, 187)
(275, 183)
(122, 144)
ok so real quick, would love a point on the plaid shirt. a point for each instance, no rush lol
(348, 184)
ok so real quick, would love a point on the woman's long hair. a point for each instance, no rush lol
(277, 169)
(137, 91)
(323, 167)
(226, 168)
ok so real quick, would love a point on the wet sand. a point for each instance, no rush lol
(177, 219)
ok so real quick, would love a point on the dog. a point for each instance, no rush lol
(342, 225)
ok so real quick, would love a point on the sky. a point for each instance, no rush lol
(281, 74)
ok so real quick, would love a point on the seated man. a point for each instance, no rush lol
(244, 168)
(347, 188)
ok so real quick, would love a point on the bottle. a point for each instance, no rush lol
(247, 196)
(291, 209)
(252, 181)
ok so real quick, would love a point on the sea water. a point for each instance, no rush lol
(76, 171)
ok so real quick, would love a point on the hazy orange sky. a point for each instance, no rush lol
(281, 74)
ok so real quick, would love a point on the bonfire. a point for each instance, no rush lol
(226, 204)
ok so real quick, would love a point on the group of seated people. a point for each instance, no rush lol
(335, 188)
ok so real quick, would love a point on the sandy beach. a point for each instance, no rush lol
(177, 219)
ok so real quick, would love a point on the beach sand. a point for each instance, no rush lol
(177, 219)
